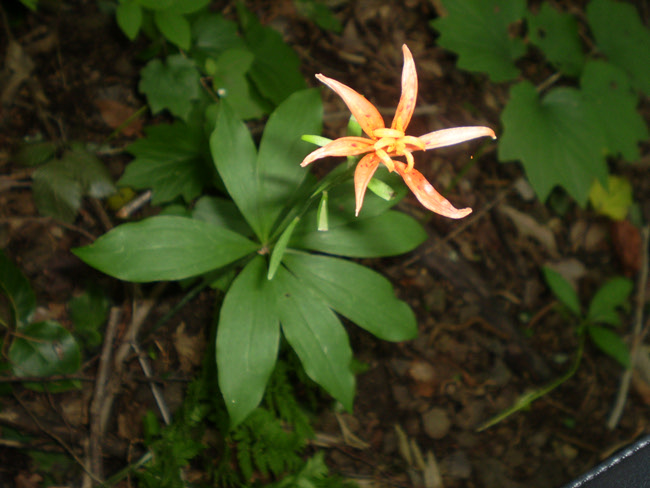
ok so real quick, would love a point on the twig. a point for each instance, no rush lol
(94, 446)
(637, 334)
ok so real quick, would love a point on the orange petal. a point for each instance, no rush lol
(427, 194)
(409, 92)
(365, 112)
(449, 137)
(343, 146)
(362, 176)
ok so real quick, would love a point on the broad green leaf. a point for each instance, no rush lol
(282, 150)
(15, 286)
(213, 35)
(556, 34)
(230, 82)
(562, 290)
(56, 192)
(615, 200)
(623, 38)
(174, 27)
(93, 175)
(610, 343)
(129, 17)
(479, 32)
(612, 103)
(276, 69)
(88, 313)
(555, 138)
(280, 248)
(358, 293)
(611, 296)
(45, 349)
(164, 248)
(221, 212)
(172, 160)
(36, 153)
(316, 335)
(388, 234)
(187, 6)
(248, 337)
(173, 85)
(234, 155)
(156, 4)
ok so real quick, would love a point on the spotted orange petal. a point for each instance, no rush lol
(343, 146)
(427, 194)
(456, 135)
(362, 175)
(365, 112)
(409, 95)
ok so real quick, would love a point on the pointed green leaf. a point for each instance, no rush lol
(188, 6)
(623, 38)
(213, 34)
(164, 248)
(17, 289)
(35, 153)
(174, 27)
(610, 343)
(248, 337)
(45, 349)
(316, 335)
(280, 248)
(87, 168)
(173, 85)
(358, 293)
(478, 31)
(562, 290)
(612, 103)
(172, 160)
(388, 234)
(555, 138)
(234, 155)
(556, 34)
(129, 17)
(230, 82)
(221, 212)
(282, 150)
(276, 69)
(88, 313)
(56, 192)
(611, 296)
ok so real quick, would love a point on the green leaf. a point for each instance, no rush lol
(174, 27)
(280, 248)
(221, 212)
(156, 4)
(556, 34)
(36, 153)
(235, 155)
(555, 138)
(173, 85)
(623, 38)
(613, 202)
(129, 17)
(187, 6)
(388, 234)
(276, 69)
(612, 295)
(230, 82)
(562, 290)
(282, 150)
(172, 160)
(612, 103)
(478, 31)
(56, 192)
(610, 343)
(45, 349)
(88, 313)
(93, 175)
(213, 35)
(358, 293)
(164, 248)
(317, 337)
(248, 337)
(319, 13)
(18, 291)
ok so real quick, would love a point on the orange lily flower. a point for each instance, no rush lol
(383, 144)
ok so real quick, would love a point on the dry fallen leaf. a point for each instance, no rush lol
(115, 113)
(189, 348)
(529, 227)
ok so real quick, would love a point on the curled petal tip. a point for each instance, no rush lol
(455, 135)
